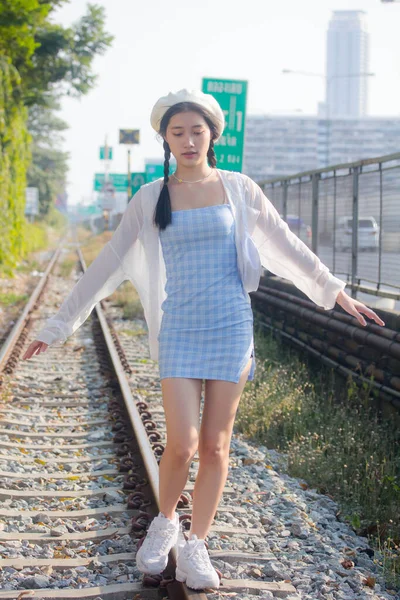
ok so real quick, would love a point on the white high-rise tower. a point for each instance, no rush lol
(347, 54)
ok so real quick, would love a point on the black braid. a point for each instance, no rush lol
(212, 159)
(167, 155)
(162, 216)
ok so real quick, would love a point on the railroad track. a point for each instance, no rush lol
(81, 434)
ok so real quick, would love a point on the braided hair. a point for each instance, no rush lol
(162, 213)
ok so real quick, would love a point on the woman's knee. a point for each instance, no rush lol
(182, 451)
(213, 452)
(182, 399)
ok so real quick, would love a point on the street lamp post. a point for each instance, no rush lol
(328, 80)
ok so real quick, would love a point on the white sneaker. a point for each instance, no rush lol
(162, 535)
(194, 567)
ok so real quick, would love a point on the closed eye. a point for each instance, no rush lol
(196, 133)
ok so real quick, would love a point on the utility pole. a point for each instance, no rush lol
(129, 136)
(129, 175)
(106, 161)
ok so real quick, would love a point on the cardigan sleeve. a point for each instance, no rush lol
(284, 254)
(105, 273)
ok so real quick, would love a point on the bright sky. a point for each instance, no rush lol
(164, 46)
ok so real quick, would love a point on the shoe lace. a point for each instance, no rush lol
(158, 539)
(198, 551)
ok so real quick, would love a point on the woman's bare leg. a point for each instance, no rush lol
(181, 400)
(221, 399)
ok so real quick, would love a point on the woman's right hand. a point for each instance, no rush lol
(35, 347)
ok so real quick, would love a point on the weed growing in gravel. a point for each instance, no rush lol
(67, 264)
(341, 447)
(133, 333)
(10, 298)
(28, 265)
(127, 298)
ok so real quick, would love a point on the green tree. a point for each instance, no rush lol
(52, 60)
(19, 22)
(39, 63)
(62, 63)
(14, 160)
(48, 169)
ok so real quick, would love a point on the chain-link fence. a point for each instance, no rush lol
(322, 206)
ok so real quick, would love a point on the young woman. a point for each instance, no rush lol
(187, 233)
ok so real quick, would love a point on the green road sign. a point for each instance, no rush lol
(231, 96)
(120, 181)
(91, 209)
(103, 152)
(156, 170)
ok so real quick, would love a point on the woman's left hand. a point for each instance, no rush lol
(354, 307)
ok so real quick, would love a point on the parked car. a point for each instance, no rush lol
(368, 233)
(299, 228)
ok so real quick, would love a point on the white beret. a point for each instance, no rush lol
(206, 100)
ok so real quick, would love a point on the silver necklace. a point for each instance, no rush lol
(183, 180)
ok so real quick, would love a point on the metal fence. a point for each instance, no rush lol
(321, 207)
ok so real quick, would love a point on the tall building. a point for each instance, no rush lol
(277, 145)
(287, 144)
(347, 54)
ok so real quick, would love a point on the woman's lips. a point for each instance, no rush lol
(190, 155)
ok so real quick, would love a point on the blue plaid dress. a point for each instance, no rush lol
(206, 329)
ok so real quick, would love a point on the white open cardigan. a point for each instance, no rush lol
(134, 252)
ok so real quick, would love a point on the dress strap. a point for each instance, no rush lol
(225, 196)
(223, 187)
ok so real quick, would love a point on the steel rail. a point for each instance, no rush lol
(382, 339)
(9, 344)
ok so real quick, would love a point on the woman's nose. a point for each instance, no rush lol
(189, 141)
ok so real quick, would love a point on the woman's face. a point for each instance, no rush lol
(188, 132)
